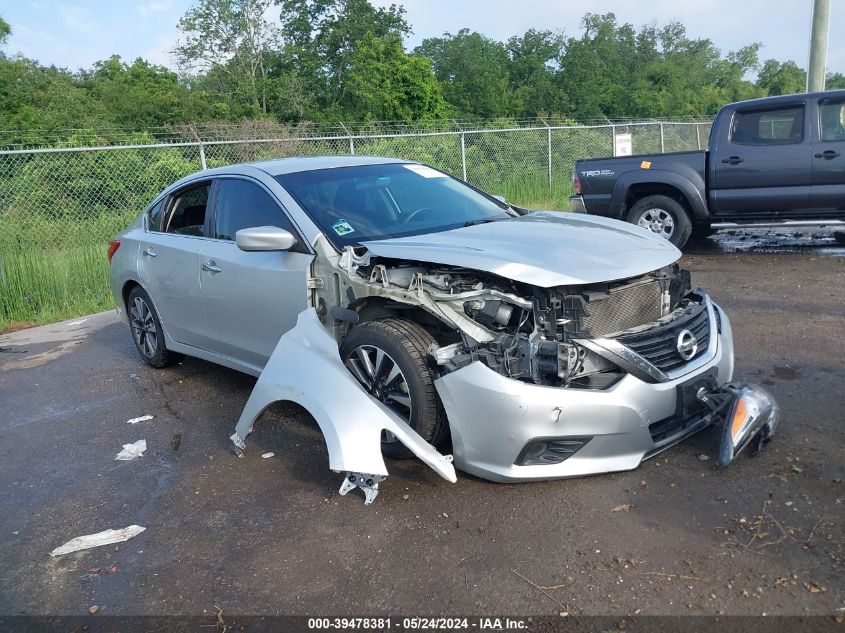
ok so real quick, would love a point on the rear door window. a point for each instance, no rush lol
(769, 127)
(243, 205)
(832, 120)
(187, 211)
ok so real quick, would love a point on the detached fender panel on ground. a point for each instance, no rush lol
(305, 368)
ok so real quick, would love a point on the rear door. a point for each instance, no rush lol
(762, 162)
(169, 262)
(827, 192)
(250, 298)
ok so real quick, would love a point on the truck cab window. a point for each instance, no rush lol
(769, 127)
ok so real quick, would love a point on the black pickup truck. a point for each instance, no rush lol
(771, 161)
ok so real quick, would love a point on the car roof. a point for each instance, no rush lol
(279, 166)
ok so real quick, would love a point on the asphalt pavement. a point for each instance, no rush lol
(257, 535)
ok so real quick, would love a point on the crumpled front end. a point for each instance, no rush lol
(509, 430)
(537, 382)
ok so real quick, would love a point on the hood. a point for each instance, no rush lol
(543, 249)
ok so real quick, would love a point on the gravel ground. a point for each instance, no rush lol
(677, 536)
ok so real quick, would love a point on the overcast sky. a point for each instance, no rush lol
(77, 33)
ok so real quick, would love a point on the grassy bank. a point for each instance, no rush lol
(52, 285)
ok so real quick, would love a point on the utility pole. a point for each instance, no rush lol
(818, 45)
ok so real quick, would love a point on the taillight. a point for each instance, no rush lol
(576, 182)
(113, 246)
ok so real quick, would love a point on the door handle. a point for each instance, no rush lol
(212, 267)
(732, 160)
(150, 252)
(828, 153)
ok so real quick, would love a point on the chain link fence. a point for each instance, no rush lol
(59, 207)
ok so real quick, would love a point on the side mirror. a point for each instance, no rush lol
(264, 238)
(500, 198)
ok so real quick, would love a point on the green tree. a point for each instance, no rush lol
(5, 31)
(141, 95)
(231, 40)
(835, 81)
(383, 82)
(534, 58)
(37, 100)
(321, 38)
(473, 70)
(777, 78)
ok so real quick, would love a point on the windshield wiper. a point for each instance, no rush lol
(485, 220)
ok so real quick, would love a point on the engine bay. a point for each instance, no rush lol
(520, 331)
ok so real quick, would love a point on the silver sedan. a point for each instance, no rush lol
(413, 314)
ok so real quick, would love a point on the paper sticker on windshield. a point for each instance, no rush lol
(342, 227)
(425, 171)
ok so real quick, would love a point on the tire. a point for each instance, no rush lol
(404, 346)
(663, 215)
(146, 330)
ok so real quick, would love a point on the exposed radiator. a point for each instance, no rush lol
(624, 307)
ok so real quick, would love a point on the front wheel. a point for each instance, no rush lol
(662, 215)
(390, 358)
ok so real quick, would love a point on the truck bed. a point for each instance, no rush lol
(600, 177)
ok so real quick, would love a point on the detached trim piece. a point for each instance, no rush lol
(306, 368)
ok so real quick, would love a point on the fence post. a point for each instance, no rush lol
(351, 146)
(463, 156)
(697, 136)
(202, 156)
(549, 132)
(662, 143)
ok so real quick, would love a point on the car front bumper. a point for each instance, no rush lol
(494, 418)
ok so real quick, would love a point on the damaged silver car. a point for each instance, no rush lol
(412, 314)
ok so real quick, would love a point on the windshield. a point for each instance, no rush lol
(371, 202)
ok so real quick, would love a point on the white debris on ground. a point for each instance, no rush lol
(132, 451)
(79, 322)
(143, 418)
(106, 537)
(267, 455)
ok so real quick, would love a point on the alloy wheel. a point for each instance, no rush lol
(143, 327)
(658, 221)
(382, 378)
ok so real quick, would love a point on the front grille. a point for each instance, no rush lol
(658, 344)
(624, 307)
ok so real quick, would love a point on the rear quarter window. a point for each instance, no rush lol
(154, 216)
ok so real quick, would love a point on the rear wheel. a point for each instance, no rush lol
(390, 358)
(662, 215)
(146, 330)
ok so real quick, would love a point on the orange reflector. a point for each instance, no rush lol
(740, 415)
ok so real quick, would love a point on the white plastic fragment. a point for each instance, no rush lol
(267, 455)
(79, 322)
(143, 418)
(132, 451)
(106, 537)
